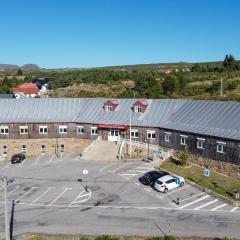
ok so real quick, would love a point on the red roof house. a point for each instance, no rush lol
(29, 89)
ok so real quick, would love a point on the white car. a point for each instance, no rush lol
(168, 182)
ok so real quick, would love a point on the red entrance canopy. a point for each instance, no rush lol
(112, 126)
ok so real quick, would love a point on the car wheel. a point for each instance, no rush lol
(181, 184)
(165, 190)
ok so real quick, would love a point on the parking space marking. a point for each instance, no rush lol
(66, 156)
(206, 204)
(13, 190)
(179, 189)
(137, 183)
(51, 159)
(43, 194)
(36, 161)
(60, 195)
(100, 170)
(80, 196)
(26, 193)
(191, 203)
(197, 195)
(218, 207)
(234, 209)
(7, 166)
(21, 164)
(116, 169)
(147, 189)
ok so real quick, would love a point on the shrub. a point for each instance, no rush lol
(184, 156)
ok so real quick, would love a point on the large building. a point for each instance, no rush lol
(209, 128)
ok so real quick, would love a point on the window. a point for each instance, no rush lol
(200, 143)
(138, 109)
(43, 148)
(43, 129)
(151, 134)
(221, 147)
(62, 129)
(5, 150)
(94, 131)
(167, 136)
(24, 148)
(108, 108)
(80, 130)
(62, 148)
(23, 129)
(4, 130)
(183, 139)
(134, 133)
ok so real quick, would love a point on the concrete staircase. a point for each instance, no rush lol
(102, 151)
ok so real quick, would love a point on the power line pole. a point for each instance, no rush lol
(221, 88)
(6, 181)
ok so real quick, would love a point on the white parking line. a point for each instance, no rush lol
(191, 203)
(51, 159)
(60, 195)
(21, 164)
(206, 204)
(38, 198)
(220, 206)
(114, 170)
(26, 193)
(234, 209)
(147, 189)
(36, 161)
(80, 196)
(137, 183)
(8, 165)
(185, 199)
(100, 170)
(61, 159)
(13, 190)
(179, 189)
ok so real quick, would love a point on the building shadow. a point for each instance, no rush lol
(11, 220)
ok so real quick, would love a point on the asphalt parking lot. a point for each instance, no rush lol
(46, 196)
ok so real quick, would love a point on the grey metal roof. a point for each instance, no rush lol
(221, 119)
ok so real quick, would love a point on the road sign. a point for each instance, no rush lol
(85, 171)
(206, 172)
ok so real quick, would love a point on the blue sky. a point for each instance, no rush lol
(89, 33)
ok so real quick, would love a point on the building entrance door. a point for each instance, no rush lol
(113, 135)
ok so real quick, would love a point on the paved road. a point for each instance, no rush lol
(48, 198)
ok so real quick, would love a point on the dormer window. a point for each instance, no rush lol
(110, 105)
(140, 106)
(108, 108)
(138, 109)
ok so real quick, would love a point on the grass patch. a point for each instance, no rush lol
(216, 182)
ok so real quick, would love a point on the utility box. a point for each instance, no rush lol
(236, 195)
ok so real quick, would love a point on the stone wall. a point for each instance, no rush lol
(34, 146)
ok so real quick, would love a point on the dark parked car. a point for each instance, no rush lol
(18, 158)
(151, 177)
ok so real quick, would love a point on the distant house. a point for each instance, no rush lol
(26, 90)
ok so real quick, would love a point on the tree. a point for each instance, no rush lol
(19, 72)
(184, 156)
(170, 85)
(230, 63)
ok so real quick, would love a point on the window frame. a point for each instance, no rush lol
(80, 132)
(138, 108)
(151, 132)
(223, 147)
(43, 127)
(96, 131)
(62, 127)
(108, 108)
(167, 136)
(202, 141)
(134, 133)
(185, 138)
(23, 128)
(4, 128)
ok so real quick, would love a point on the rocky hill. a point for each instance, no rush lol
(13, 67)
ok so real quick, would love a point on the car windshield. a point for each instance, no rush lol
(159, 182)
